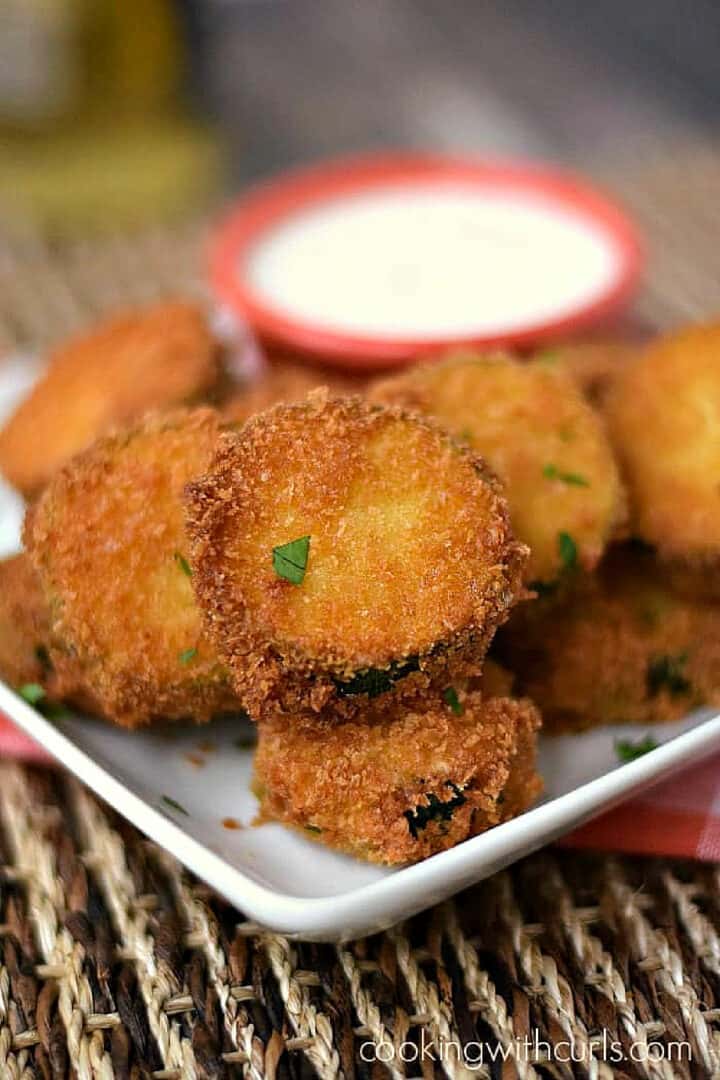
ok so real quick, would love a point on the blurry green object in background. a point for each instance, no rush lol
(95, 120)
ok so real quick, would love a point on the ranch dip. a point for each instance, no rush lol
(426, 262)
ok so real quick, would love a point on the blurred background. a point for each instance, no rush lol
(126, 124)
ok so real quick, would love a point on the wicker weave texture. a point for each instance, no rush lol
(115, 962)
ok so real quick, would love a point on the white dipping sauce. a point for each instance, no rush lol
(432, 262)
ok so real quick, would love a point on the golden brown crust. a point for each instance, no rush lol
(532, 424)
(286, 381)
(696, 577)
(594, 365)
(412, 564)
(152, 358)
(107, 539)
(24, 626)
(621, 648)
(373, 786)
(663, 414)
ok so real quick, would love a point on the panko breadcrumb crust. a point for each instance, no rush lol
(412, 563)
(285, 381)
(24, 624)
(108, 542)
(593, 365)
(622, 647)
(541, 437)
(663, 415)
(396, 788)
(157, 357)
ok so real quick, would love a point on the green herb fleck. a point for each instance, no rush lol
(313, 828)
(547, 356)
(551, 472)
(665, 673)
(173, 804)
(568, 550)
(377, 681)
(436, 810)
(466, 434)
(627, 750)
(183, 564)
(451, 698)
(290, 560)
(187, 655)
(32, 693)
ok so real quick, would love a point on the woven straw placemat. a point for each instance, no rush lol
(115, 962)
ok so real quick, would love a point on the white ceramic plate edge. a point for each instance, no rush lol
(398, 895)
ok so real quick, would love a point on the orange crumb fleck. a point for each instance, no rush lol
(196, 759)
(231, 823)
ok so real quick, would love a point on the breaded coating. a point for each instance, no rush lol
(621, 648)
(593, 365)
(396, 788)
(495, 680)
(152, 358)
(24, 626)
(535, 429)
(663, 414)
(286, 381)
(107, 538)
(408, 563)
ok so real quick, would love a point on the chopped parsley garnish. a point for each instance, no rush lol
(568, 550)
(377, 681)
(183, 564)
(32, 692)
(313, 828)
(466, 434)
(436, 810)
(451, 698)
(665, 673)
(187, 655)
(551, 472)
(173, 804)
(627, 750)
(290, 560)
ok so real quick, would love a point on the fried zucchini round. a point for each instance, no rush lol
(288, 382)
(621, 648)
(24, 626)
(533, 426)
(663, 414)
(107, 538)
(153, 358)
(593, 365)
(396, 788)
(344, 550)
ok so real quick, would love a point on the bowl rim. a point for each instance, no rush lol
(263, 207)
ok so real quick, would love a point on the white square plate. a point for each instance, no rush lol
(178, 788)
